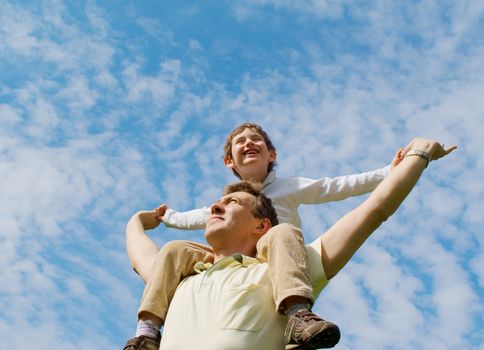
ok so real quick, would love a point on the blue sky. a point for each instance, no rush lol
(107, 108)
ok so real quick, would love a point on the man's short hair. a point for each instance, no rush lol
(263, 205)
(238, 130)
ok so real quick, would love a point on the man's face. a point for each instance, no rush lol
(231, 219)
(249, 153)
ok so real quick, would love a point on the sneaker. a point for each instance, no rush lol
(306, 331)
(143, 343)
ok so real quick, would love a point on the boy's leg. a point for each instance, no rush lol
(175, 261)
(282, 247)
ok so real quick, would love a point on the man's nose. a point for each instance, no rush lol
(217, 208)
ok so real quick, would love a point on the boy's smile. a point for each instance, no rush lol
(250, 155)
(251, 152)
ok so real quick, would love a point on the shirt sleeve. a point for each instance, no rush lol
(327, 189)
(188, 220)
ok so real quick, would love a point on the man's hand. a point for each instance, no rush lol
(148, 219)
(434, 148)
(345, 237)
(160, 211)
(152, 219)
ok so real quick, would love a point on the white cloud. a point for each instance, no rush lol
(156, 90)
(88, 140)
(318, 8)
(153, 28)
(194, 45)
(61, 186)
(78, 95)
(9, 115)
(16, 30)
(477, 264)
(106, 79)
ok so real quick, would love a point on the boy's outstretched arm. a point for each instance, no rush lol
(342, 240)
(142, 251)
(188, 220)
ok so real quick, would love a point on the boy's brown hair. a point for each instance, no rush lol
(238, 130)
(263, 208)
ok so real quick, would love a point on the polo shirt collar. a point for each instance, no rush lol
(233, 260)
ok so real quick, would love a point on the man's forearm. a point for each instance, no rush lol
(390, 194)
(141, 249)
(345, 237)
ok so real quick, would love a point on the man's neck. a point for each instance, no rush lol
(219, 255)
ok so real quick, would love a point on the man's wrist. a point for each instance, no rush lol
(420, 153)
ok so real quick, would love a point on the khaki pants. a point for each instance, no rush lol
(282, 247)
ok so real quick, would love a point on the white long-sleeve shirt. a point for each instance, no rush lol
(287, 194)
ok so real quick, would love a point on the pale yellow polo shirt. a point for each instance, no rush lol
(230, 307)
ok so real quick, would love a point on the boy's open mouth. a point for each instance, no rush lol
(251, 152)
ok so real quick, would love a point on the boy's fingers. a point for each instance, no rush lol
(161, 207)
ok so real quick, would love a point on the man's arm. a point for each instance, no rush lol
(342, 240)
(142, 251)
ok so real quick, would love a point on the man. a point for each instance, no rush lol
(229, 305)
(251, 155)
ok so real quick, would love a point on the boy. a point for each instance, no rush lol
(250, 154)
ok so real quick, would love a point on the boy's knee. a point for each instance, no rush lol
(174, 247)
(284, 232)
(185, 250)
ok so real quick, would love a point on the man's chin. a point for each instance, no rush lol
(212, 220)
(212, 224)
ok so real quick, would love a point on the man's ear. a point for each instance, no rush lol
(229, 162)
(264, 226)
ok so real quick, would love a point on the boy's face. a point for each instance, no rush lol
(250, 154)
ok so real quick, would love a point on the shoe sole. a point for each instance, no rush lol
(328, 338)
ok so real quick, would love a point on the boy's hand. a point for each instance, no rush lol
(398, 158)
(160, 212)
